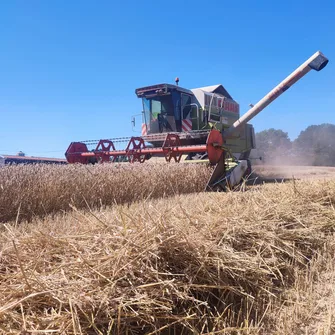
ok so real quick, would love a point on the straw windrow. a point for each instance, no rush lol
(204, 264)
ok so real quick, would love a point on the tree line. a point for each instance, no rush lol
(314, 146)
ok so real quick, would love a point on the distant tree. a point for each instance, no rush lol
(272, 144)
(316, 145)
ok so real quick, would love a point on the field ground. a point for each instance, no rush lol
(124, 255)
(297, 172)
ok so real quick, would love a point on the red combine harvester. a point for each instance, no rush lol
(192, 125)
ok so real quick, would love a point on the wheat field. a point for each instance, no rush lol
(143, 250)
(28, 191)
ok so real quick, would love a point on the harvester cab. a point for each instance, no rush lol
(180, 122)
(164, 108)
(192, 114)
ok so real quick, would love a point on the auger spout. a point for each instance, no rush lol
(316, 62)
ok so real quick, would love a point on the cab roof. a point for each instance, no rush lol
(148, 90)
(154, 89)
(219, 89)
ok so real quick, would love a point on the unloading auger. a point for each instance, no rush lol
(197, 124)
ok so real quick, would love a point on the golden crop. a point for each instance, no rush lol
(140, 257)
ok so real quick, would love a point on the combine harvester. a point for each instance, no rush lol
(197, 124)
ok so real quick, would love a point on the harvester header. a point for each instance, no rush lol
(197, 124)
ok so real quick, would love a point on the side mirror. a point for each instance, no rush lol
(133, 121)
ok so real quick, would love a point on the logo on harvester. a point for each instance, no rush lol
(222, 103)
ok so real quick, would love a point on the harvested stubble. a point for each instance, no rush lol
(37, 190)
(206, 264)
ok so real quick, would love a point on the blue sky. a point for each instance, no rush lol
(69, 69)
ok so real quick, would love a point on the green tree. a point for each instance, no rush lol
(316, 145)
(272, 144)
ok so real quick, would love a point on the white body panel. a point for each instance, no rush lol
(220, 107)
(216, 101)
